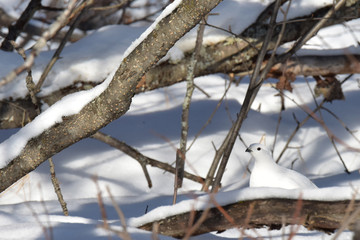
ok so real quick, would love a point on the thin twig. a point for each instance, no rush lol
(342, 123)
(350, 216)
(181, 153)
(297, 221)
(211, 115)
(31, 88)
(329, 134)
(282, 107)
(215, 162)
(201, 90)
(306, 37)
(254, 86)
(56, 55)
(53, 29)
(339, 155)
(116, 6)
(47, 230)
(135, 154)
(101, 205)
(57, 188)
(30, 85)
(298, 126)
(124, 233)
(126, 149)
(234, 35)
(155, 231)
(15, 29)
(198, 223)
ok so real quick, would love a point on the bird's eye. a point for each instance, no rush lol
(259, 148)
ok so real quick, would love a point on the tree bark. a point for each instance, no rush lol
(319, 65)
(314, 215)
(115, 100)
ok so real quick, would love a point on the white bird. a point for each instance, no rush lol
(266, 173)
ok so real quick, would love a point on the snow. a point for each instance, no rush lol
(29, 209)
(232, 9)
(302, 8)
(13, 9)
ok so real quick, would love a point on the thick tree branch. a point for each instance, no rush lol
(115, 100)
(315, 215)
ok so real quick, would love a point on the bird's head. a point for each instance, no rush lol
(257, 149)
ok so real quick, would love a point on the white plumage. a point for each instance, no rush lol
(266, 173)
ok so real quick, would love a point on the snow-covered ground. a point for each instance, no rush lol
(29, 209)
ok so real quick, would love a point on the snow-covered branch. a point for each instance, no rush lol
(326, 216)
(110, 103)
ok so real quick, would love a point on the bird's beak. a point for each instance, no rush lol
(248, 150)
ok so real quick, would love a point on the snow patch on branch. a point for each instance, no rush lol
(224, 198)
(69, 105)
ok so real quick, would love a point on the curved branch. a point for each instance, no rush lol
(115, 100)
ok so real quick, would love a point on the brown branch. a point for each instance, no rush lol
(53, 29)
(255, 83)
(142, 159)
(351, 132)
(181, 152)
(318, 65)
(57, 188)
(315, 215)
(101, 203)
(31, 88)
(58, 51)
(124, 233)
(15, 30)
(125, 149)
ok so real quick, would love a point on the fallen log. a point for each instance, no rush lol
(326, 216)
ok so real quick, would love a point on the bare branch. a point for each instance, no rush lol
(53, 29)
(181, 152)
(142, 159)
(57, 188)
(56, 55)
(254, 86)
